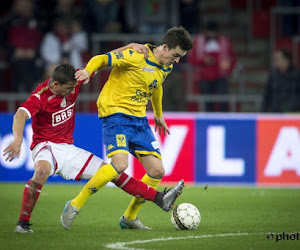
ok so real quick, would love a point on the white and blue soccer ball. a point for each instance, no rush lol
(185, 216)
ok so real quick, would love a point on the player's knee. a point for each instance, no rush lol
(157, 173)
(120, 166)
(120, 162)
(41, 173)
(41, 176)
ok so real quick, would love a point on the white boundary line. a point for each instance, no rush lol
(123, 245)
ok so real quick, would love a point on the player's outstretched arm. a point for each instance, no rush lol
(98, 62)
(14, 148)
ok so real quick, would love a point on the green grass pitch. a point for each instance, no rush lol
(232, 218)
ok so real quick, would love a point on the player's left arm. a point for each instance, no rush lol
(160, 122)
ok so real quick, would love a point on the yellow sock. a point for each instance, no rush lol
(136, 202)
(104, 175)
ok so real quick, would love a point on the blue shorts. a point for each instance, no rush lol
(124, 133)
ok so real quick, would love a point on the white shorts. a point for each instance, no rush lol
(67, 160)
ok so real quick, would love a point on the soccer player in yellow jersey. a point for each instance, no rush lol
(122, 102)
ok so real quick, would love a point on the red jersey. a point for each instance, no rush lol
(53, 116)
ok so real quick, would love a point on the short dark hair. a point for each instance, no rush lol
(64, 73)
(178, 36)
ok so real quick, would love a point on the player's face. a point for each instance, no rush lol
(171, 56)
(64, 89)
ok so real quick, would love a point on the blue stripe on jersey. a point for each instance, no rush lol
(158, 66)
(109, 59)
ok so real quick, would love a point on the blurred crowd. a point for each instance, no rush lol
(37, 35)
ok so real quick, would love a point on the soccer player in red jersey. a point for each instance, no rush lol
(52, 109)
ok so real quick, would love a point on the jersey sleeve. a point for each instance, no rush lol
(156, 100)
(33, 104)
(127, 58)
(157, 96)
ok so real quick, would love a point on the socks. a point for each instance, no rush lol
(30, 196)
(136, 203)
(104, 175)
(136, 187)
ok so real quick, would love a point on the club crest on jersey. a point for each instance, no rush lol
(63, 103)
(146, 69)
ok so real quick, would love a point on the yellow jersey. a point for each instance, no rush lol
(133, 81)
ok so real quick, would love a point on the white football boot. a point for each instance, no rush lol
(68, 215)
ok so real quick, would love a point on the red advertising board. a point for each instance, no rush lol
(278, 152)
(177, 151)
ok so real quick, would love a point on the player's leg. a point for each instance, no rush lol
(31, 194)
(138, 188)
(99, 177)
(145, 148)
(125, 182)
(152, 178)
(105, 174)
(117, 148)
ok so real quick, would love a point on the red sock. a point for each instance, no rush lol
(136, 187)
(31, 194)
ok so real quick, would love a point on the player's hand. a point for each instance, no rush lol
(160, 124)
(12, 150)
(140, 48)
(82, 75)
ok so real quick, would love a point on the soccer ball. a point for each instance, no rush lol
(185, 216)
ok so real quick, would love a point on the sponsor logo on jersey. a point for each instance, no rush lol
(110, 146)
(121, 140)
(146, 69)
(141, 96)
(62, 116)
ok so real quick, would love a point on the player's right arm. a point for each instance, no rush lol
(14, 148)
(99, 62)
(96, 63)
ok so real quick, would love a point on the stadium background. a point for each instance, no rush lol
(229, 160)
(249, 147)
